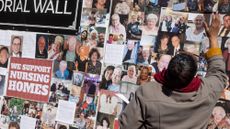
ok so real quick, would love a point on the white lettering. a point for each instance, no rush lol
(13, 74)
(2, 5)
(35, 77)
(14, 5)
(19, 86)
(56, 10)
(27, 87)
(35, 68)
(50, 7)
(65, 8)
(39, 7)
(19, 6)
(15, 66)
(45, 90)
(38, 89)
(26, 11)
(8, 5)
(12, 85)
(46, 78)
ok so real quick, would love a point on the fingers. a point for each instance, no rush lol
(216, 20)
(213, 16)
(216, 17)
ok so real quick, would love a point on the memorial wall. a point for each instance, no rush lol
(58, 74)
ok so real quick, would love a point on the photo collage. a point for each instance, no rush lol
(121, 45)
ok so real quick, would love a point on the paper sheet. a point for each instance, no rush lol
(66, 112)
(27, 122)
(114, 54)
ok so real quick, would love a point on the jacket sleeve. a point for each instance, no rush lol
(216, 77)
(133, 115)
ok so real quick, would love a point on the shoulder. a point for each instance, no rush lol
(189, 30)
(89, 62)
(98, 63)
(125, 78)
(122, 26)
(149, 90)
(155, 31)
(143, 27)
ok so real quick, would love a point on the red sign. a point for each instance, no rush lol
(29, 79)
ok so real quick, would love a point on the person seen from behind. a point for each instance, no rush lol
(178, 99)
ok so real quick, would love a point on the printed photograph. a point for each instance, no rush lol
(220, 116)
(16, 46)
(41, 46)
(4, 56)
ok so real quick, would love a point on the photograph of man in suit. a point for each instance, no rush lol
(16, 44)
(41, 48)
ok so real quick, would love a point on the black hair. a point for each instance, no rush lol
(226, 15)
(181, 70)
(175, 35)
(92, 18)
(107, 5)
(4, 48)
(144, 67)
(92, 51)
(16, 37)
(164, 36)
(62, 127)
(158, 56)
(106, 119)
(84, 31)
(104, 83)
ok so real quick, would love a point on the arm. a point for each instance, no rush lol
(216, 77)
(133, 115)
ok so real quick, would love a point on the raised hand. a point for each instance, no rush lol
(213, 29)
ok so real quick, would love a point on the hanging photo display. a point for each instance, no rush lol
(86, 80)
